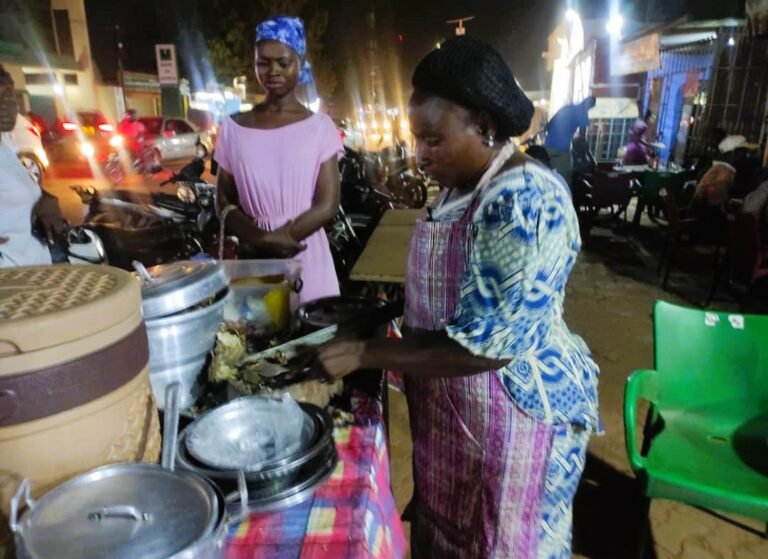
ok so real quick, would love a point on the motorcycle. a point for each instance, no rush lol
(144, 161)
(363, 202)
(153, 228)
(78, 245)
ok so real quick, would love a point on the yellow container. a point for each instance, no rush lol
(74, 378)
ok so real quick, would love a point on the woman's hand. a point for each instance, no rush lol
(47, 212)
(282, 241)
(340, 358)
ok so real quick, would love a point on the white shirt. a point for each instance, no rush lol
(18, 195)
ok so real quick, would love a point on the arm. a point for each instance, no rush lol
(325, 204)
(257, 242)
(428, 355)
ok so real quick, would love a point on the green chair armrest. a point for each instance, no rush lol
(641, 384)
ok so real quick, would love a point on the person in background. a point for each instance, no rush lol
(560, 132)
(24, 207)
(502, 396)
(636, 151)
(278, 176)
(540, 154)
(133, 131)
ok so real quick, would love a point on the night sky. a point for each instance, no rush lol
(518, 28)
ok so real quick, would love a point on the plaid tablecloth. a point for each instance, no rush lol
(351, 516)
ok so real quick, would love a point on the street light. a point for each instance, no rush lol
(731, 41)
(615, 25)
(460, 29)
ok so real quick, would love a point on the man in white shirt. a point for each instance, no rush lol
(22, 202)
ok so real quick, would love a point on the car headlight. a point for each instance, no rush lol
(87, 149)
(116, 141)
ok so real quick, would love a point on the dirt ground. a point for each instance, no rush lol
(609, 303)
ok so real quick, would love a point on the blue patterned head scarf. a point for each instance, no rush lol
(290, 32)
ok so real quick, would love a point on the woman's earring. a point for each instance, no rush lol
(489, 141)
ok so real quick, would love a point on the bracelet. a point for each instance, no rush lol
(222, 227)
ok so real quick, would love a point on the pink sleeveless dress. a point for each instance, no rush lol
(276, 172)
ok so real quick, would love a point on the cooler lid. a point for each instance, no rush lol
(46, 306)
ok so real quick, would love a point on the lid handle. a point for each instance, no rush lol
(171, 425)
(142, 271)
(22, 497)
(120, 511)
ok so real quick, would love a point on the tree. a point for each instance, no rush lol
(229, 26)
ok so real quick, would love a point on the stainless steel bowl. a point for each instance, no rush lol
(178, 348)
(250, 434)
(280, 498)
(282, 472)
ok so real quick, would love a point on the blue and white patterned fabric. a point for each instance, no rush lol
(511, 305)
(290, 32)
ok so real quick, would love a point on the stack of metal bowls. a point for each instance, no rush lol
(183, 304)
(238, 447)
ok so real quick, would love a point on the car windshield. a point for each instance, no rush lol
(153, 125)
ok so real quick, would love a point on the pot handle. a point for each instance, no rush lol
(171, 425)
(121, 511)
(242, 489)
(143, 272)
(20, 498)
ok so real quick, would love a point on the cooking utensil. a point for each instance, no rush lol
(183, 304)
(121, 511)
(283, 471)
(171, 288)
(328, 311)
(250, 433)
(263, 501)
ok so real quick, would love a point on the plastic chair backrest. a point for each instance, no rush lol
(744, 247)
(653, 182)
(706, 357)
(611, 188)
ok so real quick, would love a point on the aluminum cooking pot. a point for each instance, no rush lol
(123, 511)
(183, 304)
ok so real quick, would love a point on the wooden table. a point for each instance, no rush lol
(385, 257)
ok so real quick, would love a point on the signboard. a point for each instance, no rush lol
(639, 55)
(167, 71)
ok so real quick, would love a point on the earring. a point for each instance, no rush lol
(489, 141)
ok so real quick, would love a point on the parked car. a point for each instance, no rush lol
(176, 138)
(82, 135)
(25, 141)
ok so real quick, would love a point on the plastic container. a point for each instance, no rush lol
(74, 377)
(264, 294)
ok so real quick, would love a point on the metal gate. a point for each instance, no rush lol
(737, 93)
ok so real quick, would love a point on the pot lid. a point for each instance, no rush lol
(45, 306)
(170, 288)
(122, 511)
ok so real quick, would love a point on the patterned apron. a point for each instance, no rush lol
(479, 462)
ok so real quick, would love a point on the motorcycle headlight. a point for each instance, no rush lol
(186, 194)
(87, 149)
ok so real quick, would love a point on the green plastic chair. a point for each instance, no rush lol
(706, 436)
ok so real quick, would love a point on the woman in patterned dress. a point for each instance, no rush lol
(502, 397)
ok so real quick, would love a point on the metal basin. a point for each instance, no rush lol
(250, 434)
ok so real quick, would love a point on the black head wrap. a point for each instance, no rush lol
(471, 73)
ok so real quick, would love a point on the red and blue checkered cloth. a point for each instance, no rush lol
(351, 516)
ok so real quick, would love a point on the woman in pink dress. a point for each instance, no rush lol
(278, 179)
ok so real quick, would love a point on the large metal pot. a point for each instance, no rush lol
(124, 511)
(183, 305)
